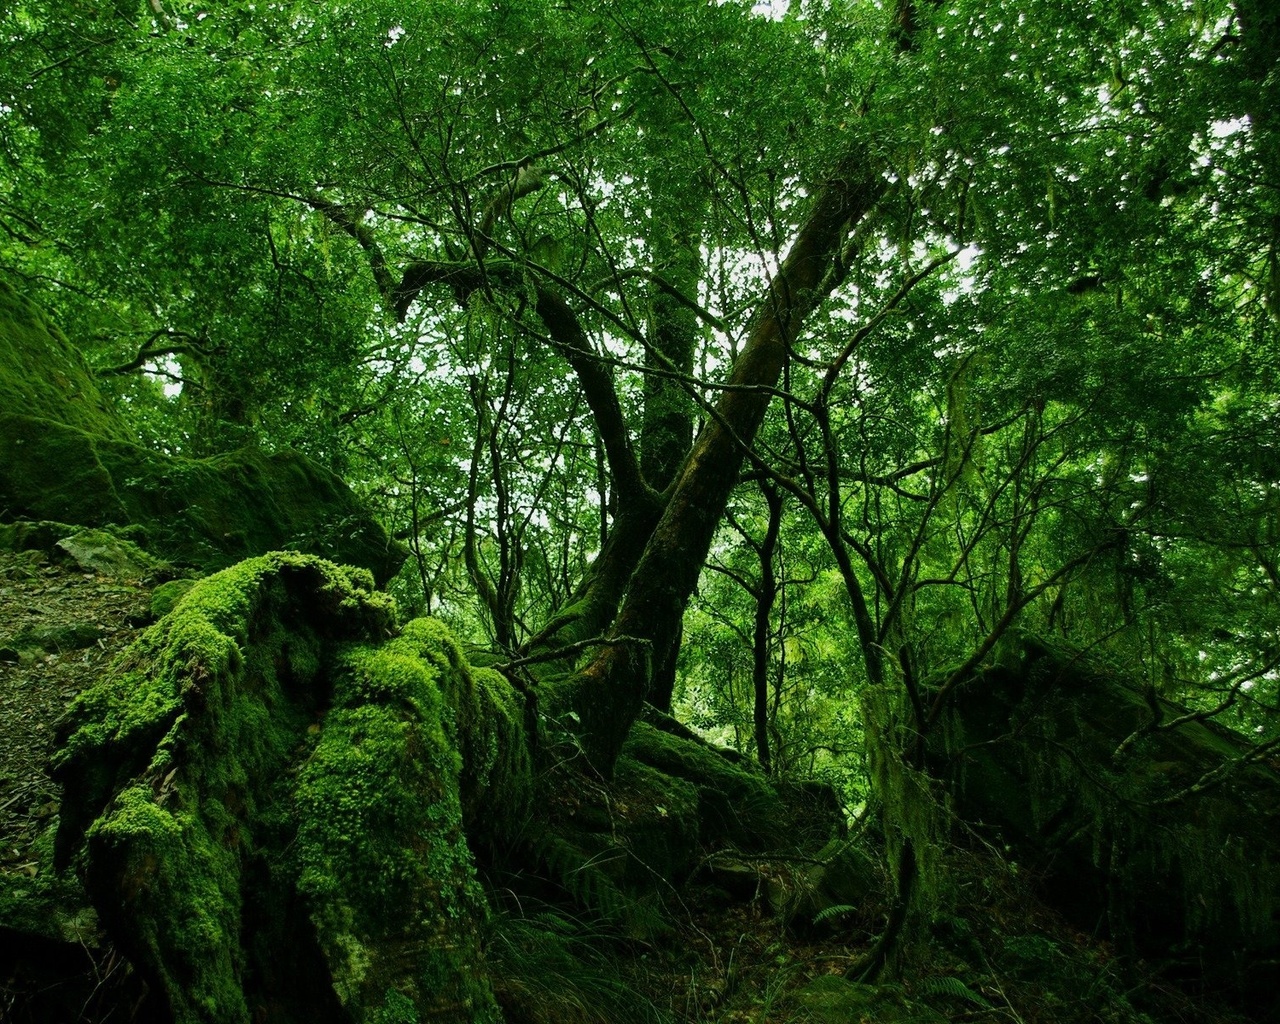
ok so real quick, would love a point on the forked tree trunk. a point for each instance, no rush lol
(603, 700)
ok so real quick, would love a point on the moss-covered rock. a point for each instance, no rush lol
(736, 804)
(384, 865)
(43, 375)
(66, 457)
(103, 552)
(204, 512)
(266, 801)
(843, 882)
(1166, 836)
(831, 999)
(57, 637)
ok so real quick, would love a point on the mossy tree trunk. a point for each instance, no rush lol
(606, 696)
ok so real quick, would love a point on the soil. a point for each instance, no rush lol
(59, 629)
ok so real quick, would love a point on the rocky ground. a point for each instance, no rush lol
(60, 625)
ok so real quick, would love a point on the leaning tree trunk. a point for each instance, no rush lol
(601, 702)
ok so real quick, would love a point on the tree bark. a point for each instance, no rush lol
(765, 598)
(603, 700)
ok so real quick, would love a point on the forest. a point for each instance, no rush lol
(592, 511)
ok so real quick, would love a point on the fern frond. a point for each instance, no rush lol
(835, 910)
(949, 985)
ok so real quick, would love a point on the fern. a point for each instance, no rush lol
(949, 985)
(835, 910)
(582, 877)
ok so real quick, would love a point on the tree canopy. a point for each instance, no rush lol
(778, 365)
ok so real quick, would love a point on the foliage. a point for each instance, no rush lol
(919, 324)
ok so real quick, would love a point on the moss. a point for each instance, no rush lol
(64, 636)
(42, 374)
(829, 998)
(735, 802)
(660, 826)
(178, 881)
(48, 904)
(497, 781)
(166, 597)
(263, 771)
(1056, 753)
(397, 1008)
(382, 857)
(175, 764)
(51, 470)
(104, 552)
(66, 456)
(26, 535)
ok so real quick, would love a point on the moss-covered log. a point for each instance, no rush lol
(1164, 836)
(267, 800)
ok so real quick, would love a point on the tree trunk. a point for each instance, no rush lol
(603, 699)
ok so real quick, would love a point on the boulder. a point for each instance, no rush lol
(67, 457)
(1157, 828)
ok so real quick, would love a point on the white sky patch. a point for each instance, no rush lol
(774, 10)
(394, 34)
(1226, 129)
(168, 372)
(967, 257)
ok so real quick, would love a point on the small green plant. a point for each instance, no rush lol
(951, 987)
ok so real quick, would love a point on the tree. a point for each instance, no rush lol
(985, 292)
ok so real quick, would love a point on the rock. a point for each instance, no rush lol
(33, 536)
(1169, 838)
(43, 374)
(846, 883)
(265, 796)
(102, 552)
(66, 457)
(66, 636)
(831, 999)
(736, 803)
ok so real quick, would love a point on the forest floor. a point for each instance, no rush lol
(59, 629)
(999, 954)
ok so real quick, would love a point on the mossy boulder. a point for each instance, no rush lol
(1162, 827)
(832, 999)
(266, 799)
(100, 551)
(43, 375)
(202, 512)
(736, 803)
(65, 456)
(843, 883)
(57, 637)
